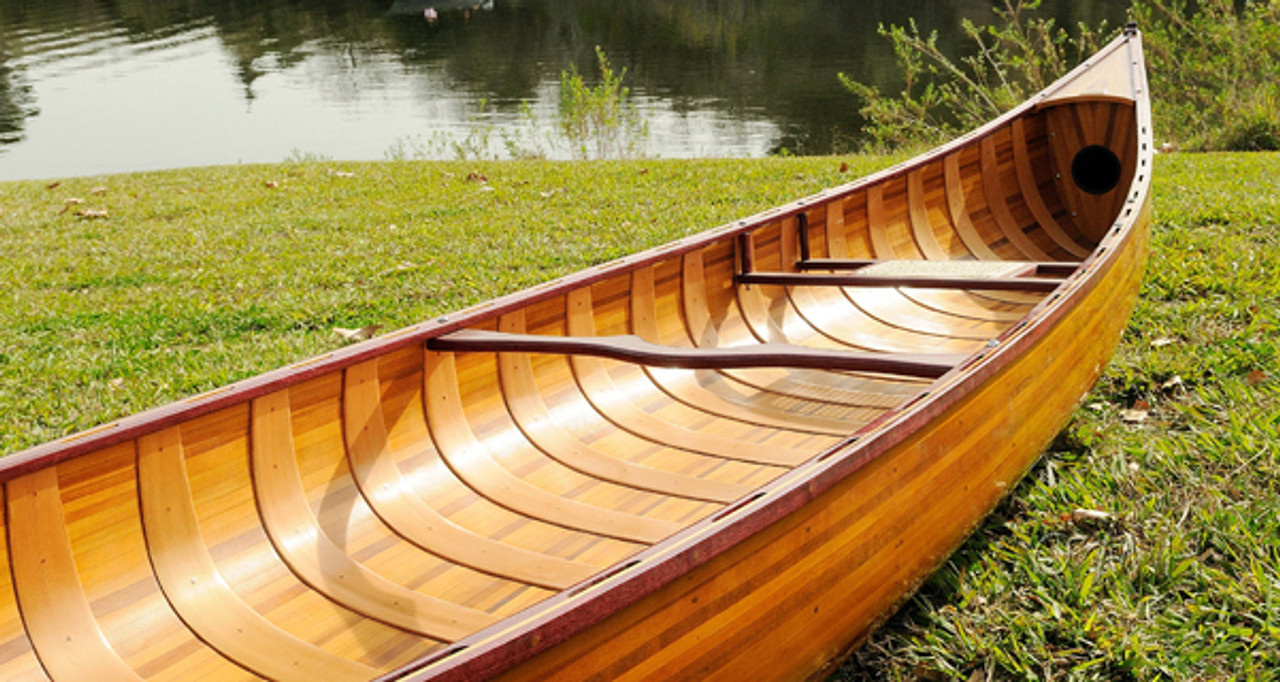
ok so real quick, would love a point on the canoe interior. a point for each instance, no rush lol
(363, 519)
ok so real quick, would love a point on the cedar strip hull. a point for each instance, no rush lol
(406, 508)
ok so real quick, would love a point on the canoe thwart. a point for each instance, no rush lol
(1046, 268)
(633, 349)
(924, 281)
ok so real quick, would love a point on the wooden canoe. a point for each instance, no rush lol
(730, 456)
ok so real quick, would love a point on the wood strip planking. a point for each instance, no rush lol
(471, 460)
(994, 188)
(959, 214)
(602, 393)
(784, 590)
(62, 629)
(1031, 194)
(532, 416)
(315, 559)
(405, 512)
(199, 594)
(697, 388)
(918, 213)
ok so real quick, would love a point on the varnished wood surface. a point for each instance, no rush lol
(517, 498)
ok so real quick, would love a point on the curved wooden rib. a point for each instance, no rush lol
(315, 559)
(994, 188)
(960, 214)
(405, 512)
(470, 459)
(880, 240)
(836, 244)
(1031, 194)
(198, 593)
(699, 389)
(62, 628)
(530, 413)
(603, 394)
(919, 216)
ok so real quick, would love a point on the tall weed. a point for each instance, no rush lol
(600, 121)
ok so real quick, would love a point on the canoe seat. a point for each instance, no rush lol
(633, 349)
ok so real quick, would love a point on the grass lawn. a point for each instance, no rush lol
(126, 292)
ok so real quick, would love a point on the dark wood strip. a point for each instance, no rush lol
(928, 282)
(1061, 268)
(634, 349)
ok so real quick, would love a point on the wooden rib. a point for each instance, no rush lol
(836, 245)
(405, 512)
(994, 188)
(471, 460)
(960, 214)
(690, 387)
(880, 240)
(922, 281)
(59, 622)
(315, 558)
(1031, 194)
(198, 593)
(530, 413)
(919, 217)
(599, 389)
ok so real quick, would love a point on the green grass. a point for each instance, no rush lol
(201, 277)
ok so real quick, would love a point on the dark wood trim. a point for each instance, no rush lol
(1059, 269)
(923, 281)
(636, 350)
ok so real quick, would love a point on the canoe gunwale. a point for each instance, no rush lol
(557, 618)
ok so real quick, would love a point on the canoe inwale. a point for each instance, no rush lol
(728, 456)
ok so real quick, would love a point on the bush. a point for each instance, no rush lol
(600, 119)
(1214, 71)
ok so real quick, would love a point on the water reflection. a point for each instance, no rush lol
(102, 86)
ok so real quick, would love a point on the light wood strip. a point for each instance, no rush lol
(315, 558)
(198, 593)
(837, 247)
(960, 214)
(1031, 194)
(405, 512)
(18, 660)
(919, 216)
(880, 240)
(994, 189)
(62, 628)
(532, 416)
(470, 459)
(603, 394)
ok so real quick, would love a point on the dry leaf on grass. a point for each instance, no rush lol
(92, 214)
(1134, 416)
(1255, 377)
(98, 190)
(357, 334)
(1079, 515)
(1163, 341)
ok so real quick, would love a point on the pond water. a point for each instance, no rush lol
(103, 86)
